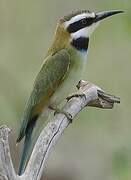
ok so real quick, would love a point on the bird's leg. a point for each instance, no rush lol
(76, 95)
(58, 110)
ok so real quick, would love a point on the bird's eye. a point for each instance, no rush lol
(84, 21)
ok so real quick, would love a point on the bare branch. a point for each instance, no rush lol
(88, 94)
(6, 166)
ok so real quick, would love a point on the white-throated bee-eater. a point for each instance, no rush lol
(63, 65)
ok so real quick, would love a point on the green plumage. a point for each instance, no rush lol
(51, 75)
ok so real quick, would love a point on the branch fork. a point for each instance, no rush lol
(88, 95)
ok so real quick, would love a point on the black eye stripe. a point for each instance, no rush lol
(76, 26)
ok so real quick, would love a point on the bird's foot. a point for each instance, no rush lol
(68, 115)
(57, 110)
(76, 95)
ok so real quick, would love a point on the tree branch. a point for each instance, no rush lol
(88, 94)
(6, 166)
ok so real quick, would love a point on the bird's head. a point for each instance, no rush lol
(83, 23)
(77, 27)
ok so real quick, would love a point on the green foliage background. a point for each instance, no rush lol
(97, 146)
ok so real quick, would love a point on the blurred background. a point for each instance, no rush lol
(97, 146)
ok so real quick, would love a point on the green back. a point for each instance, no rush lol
(51, 75)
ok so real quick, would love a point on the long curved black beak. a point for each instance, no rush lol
(105, 14)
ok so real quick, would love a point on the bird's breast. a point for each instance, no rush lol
(74, 74)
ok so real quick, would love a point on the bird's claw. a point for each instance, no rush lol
(68, 115)
(76, 95)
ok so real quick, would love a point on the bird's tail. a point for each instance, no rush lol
(26, 148)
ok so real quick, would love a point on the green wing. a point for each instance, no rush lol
(51, 75)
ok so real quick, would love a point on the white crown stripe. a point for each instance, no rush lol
(79, 17)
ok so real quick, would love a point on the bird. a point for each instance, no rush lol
(63, 66)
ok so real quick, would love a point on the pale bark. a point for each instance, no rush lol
(93, 96)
